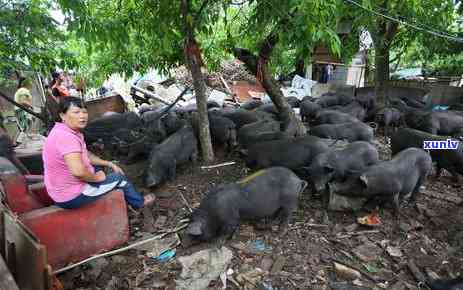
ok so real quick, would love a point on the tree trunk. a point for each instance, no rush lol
(290, 123)
(383, 33)
(194, 62)
(259, 67)
(300, 67)
(381, 73)
(20, 78)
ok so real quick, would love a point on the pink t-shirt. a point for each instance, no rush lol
(61, 185)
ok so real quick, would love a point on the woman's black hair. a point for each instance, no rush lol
(66, 103)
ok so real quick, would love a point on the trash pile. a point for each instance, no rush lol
(230, 71)
(225, 86)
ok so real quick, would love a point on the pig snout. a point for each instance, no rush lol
(319, 185)
(194, 229)
(320, 180)
(151, 179)
(333, 187)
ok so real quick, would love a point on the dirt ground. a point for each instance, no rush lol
(428, 236)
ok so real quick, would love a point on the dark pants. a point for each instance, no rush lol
(132, 197)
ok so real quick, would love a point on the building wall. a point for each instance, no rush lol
(352, 74)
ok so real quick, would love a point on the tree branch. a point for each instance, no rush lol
(391, 31)
(200, 11)
(22, 107)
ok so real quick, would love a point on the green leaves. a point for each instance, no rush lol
(29, 37)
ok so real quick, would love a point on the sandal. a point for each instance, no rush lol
(150, 198)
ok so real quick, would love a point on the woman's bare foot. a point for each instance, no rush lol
(149, 199)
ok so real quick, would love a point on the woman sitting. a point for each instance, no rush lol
(70, 178)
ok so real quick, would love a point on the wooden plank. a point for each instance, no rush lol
(25, 256)
(96, 108)
(6, 279)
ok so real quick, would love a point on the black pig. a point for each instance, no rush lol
(290, 153)
(355, 131)
(339, 164)
(164, 158)
(259, 195)
(451, 160)
(390, 180)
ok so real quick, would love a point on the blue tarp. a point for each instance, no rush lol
(407, 73)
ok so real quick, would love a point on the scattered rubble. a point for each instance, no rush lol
(199, 269)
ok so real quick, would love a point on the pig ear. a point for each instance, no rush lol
(194, 229)
(364, 180)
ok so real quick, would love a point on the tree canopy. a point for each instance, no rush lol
(108, 36)
(30, 39)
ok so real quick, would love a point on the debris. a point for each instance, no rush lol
(116, 283)
(250, 279)
(164, 194)
(156, 247)
(223, 279)
(431, 274)
(399, 285)
(185, 202)
(414, 225)
(151, 95)
(367, 252)
(200, 268)
(306, 225)
(278, 265)
(121, 249)
(370, 220)
(218, 165)
(252, 247)
(166, 256)
(419, 276)
(344, 203)
(97, 267)
(447, 197)
(228, 89)
(160, 222)
(346, 273)
(394, 251)
(266, 264)
(148, 220)
(258, 95)
(351, 228)
(368, 276)
(370, 268)
(240, 246)
(268, 286)
(349, 235)
(300, 87)
(346, 286)
(218, 97)
(118, 259)
(258, 246)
